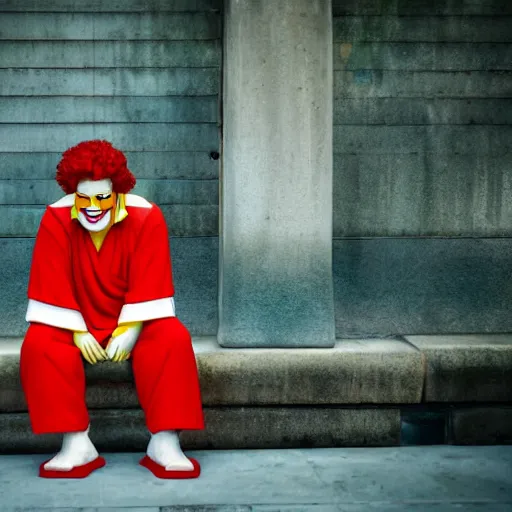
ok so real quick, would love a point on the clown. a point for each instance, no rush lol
(101, 287)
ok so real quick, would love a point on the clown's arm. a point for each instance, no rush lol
(151, 290)
(51, 300)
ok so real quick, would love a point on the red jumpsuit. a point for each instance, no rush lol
(129, 278)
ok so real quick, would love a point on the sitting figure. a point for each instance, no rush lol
(101, 287)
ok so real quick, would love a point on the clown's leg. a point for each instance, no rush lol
(53, 379)
(167, 383)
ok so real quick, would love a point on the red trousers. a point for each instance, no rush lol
(164, 367)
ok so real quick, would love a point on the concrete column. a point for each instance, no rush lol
(276, 202)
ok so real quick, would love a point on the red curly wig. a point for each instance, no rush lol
(94, 160)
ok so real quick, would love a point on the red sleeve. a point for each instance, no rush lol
(51, 278)
(150, 275)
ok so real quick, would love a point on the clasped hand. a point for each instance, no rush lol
(119, 347)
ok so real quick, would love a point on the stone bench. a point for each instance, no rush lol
(352, 395)
(472, 373)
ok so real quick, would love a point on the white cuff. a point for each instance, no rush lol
(43, 313)
(149, 310)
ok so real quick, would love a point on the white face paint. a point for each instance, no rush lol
(94, 204)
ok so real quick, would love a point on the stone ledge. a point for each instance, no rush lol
(353, 372)
(467, 368)
(226, 428)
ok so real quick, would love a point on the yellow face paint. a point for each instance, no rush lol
(95, 208)
(95, 205)
(121, 212)
(103, 201)
(119, 208)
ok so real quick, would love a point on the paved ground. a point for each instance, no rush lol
(417, 479)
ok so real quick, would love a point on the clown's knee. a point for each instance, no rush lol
(42, 339)
(177, 336)
(159, 337)
(170, 330)
(179, 332)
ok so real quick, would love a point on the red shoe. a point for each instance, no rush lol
(161, 472)
(77, 472)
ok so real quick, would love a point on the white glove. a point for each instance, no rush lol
(123, 340)
(90, 348)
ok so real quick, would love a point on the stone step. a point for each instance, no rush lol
(456, 368)
(353, 372)
(280, 427)
(226, 428)
(466, 368)
(359, 393)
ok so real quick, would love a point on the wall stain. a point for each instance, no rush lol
(345, 52)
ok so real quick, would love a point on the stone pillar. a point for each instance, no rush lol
(276, 202)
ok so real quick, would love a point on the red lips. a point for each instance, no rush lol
(93, 219)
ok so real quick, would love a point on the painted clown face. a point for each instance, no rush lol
(95, 204)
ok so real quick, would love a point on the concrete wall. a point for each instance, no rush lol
(423, 147)
(144, 75)
(422, 143)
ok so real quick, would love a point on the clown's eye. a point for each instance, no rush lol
(101, 197)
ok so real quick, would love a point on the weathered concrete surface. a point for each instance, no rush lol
(413, 56)
(131, 109)
(435, 29)
(194, 165)
(367, 83)
(399, 140)
(411, 111)
(161, 192)
(422, 81)
(109, 54)
(110, 82)
(310, 507)
(195, 268)
(422, 286)
(101, 6)
(467, 368)
(226, 428)
(130, 137)
(82, 26)
(354, 372)
(422, 194)
(276, 218)
(421, 8)
(433, 479)
(482, 425)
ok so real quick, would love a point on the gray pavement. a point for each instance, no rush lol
(418, 478)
